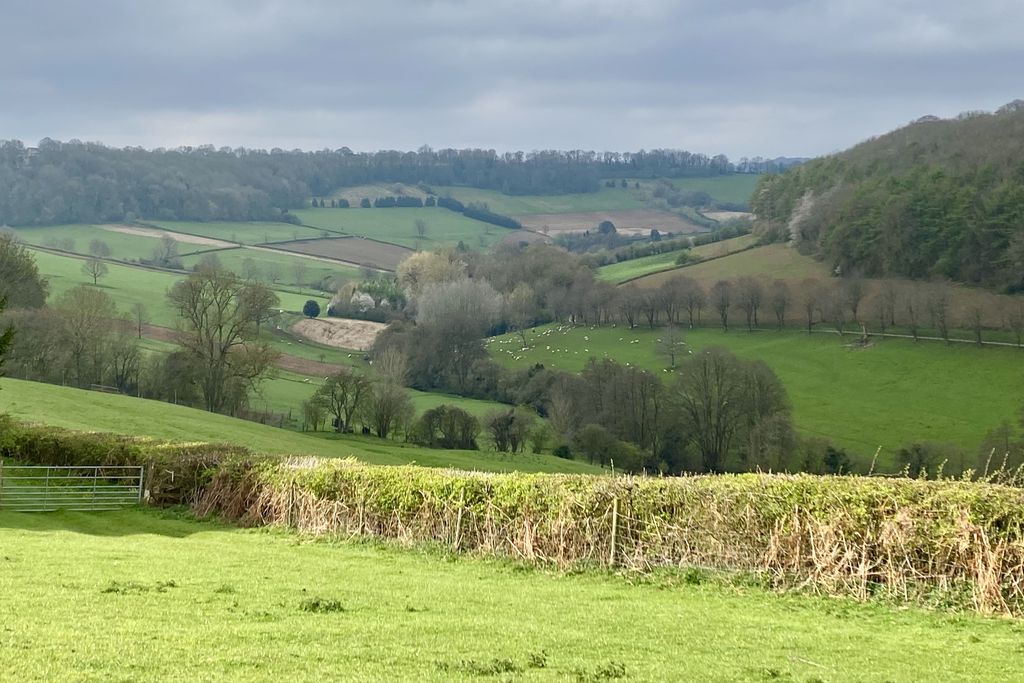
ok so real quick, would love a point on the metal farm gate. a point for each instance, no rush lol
(44, 488)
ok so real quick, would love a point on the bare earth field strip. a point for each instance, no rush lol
(178, 236)
(634, 221)
(353, 250)
(341, 333)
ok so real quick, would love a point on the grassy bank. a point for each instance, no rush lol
(91, 411)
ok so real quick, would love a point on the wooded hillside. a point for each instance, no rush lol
(76, 182)
(936, 198)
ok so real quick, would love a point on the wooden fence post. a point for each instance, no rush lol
(291, 504)
(615, 530)
(458, 518)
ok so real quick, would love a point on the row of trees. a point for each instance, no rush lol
(75, 182)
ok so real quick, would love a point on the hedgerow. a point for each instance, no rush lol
(949, 543)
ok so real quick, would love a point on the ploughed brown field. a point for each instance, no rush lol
(635, 221)
(353, 250)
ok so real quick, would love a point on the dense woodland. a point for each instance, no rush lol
(76, 182)
(937, 198)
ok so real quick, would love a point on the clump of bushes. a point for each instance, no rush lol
(447, 426)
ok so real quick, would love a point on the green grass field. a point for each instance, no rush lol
(143, 594)
(398, 226)
(648, 265)
(634, 268)
(92, 411)
(128, 285)
(242, 233)
(771, 261)
(890, 394)
(288, 267)
(122, 247)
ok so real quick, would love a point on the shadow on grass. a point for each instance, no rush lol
(172, 523)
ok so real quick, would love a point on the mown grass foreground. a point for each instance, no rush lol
(141, 595)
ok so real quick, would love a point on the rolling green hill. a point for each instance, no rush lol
(889, 394)
(92, 411)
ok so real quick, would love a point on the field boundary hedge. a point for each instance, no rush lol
(949, 544)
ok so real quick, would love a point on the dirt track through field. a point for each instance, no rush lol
(178, 236)
(341, 333)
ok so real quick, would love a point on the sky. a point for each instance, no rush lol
(758, 78)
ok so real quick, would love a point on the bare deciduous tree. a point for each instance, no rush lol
(671, 344)
(721, 299)
(749, 294)
(342, 395)
(939, 297)
(99, 248)
(912, 309)
(140, 316)
(853, 295)
(219, 334)
(810, 297)
(94, 268)
(779, 299)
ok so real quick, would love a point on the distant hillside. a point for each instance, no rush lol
(75, 182)
(936, 198)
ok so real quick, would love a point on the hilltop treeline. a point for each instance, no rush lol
(937, 198)
(76, 182)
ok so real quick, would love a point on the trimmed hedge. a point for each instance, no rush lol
(943, 543)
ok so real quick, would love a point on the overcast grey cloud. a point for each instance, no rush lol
(780, 77)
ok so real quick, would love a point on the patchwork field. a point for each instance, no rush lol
(93, 411)
(605, 199)
(890, 394)
(272, 265)
(398, 226)
(129, 285)
(217, 603)
(240, 233)
(635, 221)
(351, 250)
